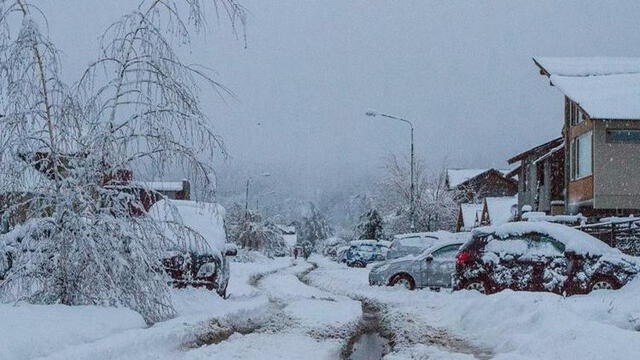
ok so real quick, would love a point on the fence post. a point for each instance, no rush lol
(612, 236)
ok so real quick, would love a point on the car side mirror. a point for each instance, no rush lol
(230, 250)
(429, 258)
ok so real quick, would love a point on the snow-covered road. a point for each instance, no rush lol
(284, 309)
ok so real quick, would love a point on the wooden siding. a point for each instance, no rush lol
(580, 190)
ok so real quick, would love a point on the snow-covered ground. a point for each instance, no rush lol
(284, 309)
(507, 325)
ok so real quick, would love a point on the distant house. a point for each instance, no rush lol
(601, 132)
(541, 178)
(498, 210)
(174, 190)
(473, 185)
(469, 216)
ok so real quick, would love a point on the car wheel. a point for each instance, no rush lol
(476, 285)
(403, 280)
(603, 283)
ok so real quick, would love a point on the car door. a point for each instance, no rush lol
(511, 269)
(440, 265)
(551, 268)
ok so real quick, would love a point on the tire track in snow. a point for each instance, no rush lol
(265, 319)
(401, 329)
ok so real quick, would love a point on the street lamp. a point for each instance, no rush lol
(246, 195)
(412, 211)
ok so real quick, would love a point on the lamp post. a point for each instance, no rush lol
(412, 210)
(246, 195)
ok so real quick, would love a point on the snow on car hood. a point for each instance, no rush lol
(207, 219)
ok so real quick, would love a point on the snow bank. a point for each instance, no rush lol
(30, 331)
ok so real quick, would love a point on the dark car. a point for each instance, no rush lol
(202, 263)
(540, 257)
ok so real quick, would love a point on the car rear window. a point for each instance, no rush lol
(475, 243)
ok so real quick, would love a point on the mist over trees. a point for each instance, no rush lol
(345, 205)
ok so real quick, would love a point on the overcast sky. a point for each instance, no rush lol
(461, 70)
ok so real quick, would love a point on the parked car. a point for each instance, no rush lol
(432, 268)
(202, 260)
(341, 254)
(363, 252)
(416, 243)
(540, 256)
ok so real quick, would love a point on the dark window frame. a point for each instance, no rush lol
(628, 140)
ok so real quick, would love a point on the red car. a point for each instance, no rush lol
(540, 256)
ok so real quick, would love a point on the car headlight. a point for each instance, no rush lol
(207, 270)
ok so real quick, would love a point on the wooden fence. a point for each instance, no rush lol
(619, 233)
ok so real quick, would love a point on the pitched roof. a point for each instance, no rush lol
(457, 177)
(500, 209)
(471, 215)
(537, 150)
(605, 88)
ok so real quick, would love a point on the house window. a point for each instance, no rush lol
(623, 136)
(581, 152)
(576, 115)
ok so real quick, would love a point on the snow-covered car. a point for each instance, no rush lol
(341, 253)
(363, 252)
(540, 256)
(432, 268)
(201, 259)
(416, 243)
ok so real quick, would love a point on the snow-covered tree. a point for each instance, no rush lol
(250, 231)
(66, 154)
(314, 227)
(370, 226)
(435, 205)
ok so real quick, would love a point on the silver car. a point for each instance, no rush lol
(432, 268)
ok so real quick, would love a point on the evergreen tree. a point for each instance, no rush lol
(314, 227)
(370, 226)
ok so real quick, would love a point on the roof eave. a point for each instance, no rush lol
(524, 154)
(543, 71)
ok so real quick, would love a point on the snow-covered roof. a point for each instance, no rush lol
(574, 240)
(501, 209)
(207, 219)
(604, 97)
(160, 185)
(471, 215)
(606, 88)
(459, 176)
(588, 66)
